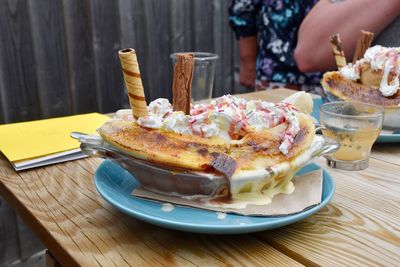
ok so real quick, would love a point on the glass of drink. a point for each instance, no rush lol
(355, 126)
(203, 74)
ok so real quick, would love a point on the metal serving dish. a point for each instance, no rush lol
(178, 182)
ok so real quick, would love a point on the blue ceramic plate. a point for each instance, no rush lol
(383, 138)
(115, 185)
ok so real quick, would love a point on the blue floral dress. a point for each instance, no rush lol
(277, 23)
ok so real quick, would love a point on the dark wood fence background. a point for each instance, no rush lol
(59, 57)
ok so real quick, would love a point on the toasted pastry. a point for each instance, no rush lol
(253, 149)
(346, 89)
(373, 79)
(165, 148)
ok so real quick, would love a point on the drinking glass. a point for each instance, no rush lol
(203, 74)
(355, 126)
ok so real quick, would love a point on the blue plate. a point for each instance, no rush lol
(382, 138)
(115, 185)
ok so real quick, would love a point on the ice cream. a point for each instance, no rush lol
(380, 67)
(229, 117)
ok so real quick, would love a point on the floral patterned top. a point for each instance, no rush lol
(276, 22)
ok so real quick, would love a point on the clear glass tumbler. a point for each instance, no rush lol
(355, 126)
(203, 74)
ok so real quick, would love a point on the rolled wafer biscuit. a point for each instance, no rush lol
(363, 43)
(338, 52)
(182, 82)
(133, 82)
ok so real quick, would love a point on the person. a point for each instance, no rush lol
(286, 42)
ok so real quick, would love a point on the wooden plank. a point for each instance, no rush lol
(80, 56)
(204, 35)
(2, 100)
(50, 57)
(105, 25)
(29, 244)
(387, 152)
(127, 20)
(62, 206)
(9, 243)
(151, 26)
(223, 46)
(18, 85)
(55, 53)
(203, 40)
(159, 25)
(51, 261)
(359, 227)
(181, 25)
(129, 35)
(135, 31)
(181, 30)
(36, 260)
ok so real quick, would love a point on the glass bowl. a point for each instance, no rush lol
(184, 183)
(391, 119)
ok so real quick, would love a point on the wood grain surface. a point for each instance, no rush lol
(59, 56)
(9, 242)
(81, 75)
(79, 228)
(19, 97)
(105, 26)
(360, 226)
(50, 57)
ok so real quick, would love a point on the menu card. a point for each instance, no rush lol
(43, 142)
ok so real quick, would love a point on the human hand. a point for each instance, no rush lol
(248, 48)
(247, 74)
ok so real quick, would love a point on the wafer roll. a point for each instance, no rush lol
(363, 43)
(133, 82)
(182, 83)
(338, 52)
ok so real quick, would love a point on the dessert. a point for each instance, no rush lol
(373, 79)
(376, 74)
(230, 148)
(215, 127)
(258, 146)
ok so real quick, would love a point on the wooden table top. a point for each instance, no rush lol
(360, 226)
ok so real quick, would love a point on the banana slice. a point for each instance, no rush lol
(301, 100)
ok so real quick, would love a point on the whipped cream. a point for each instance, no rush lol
(350, 72)
(229, 117)
(124, 114)
(380, 58)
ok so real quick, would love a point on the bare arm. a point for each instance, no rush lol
(248, 47)
(346, 17)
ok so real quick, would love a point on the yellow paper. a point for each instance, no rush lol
(27, 140)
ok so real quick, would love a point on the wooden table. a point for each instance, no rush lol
(360, 226)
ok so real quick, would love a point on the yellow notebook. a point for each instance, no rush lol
(42, 141)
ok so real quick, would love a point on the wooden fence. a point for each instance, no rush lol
(59, 57)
